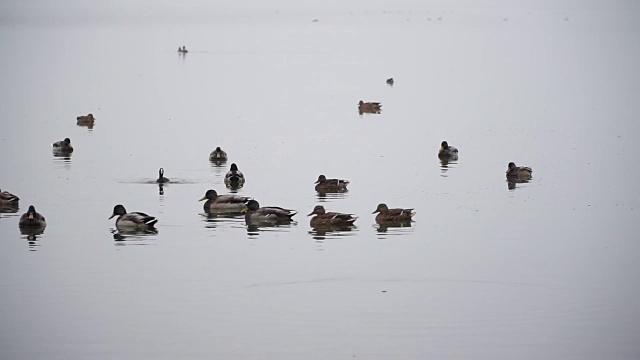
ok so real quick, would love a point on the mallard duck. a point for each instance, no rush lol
(447, 151)
(85, 119)
(161, 178)
(255, 213)
(369, 106)
(132, 220)
(330, 185)
(224, 203)
(518, 172)
(218, 155)
(323, 218)
(63, 146)
(32, 219)
(234, 177)
(392, 215)
(390, 81)
(8, 199)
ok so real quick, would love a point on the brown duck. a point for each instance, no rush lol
(330, 185)
(330, 219)
(392, 215)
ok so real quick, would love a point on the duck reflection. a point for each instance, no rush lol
(9, 208)
(213, 219)
(383, 227)
(31, 234)
(327, 196)
(511, 183)
(161, 189)
(446, 164)
(131, 236)
(323, 232)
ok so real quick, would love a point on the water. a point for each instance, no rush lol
(543, 270)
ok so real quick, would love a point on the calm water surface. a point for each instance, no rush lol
(488, 270)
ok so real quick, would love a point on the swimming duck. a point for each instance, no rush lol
(255, 213)
(390, 81)
(161, 178)
(86, 119)
(369, 106)
(447, 151)
(132, 220)
(218, 155)
(224, 203)
(63, 146)
(324, 218)
(330, 185)
(8, 199)
(32, 219)
(392, 215)
(518, 172)
(234, 177)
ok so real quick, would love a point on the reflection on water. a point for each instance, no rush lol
(321, 233)
(255, 228)
(9, 209)
(446, 164)
(31, 234)
(133, 237)
(62, 160)
(161, 189)
(328, 196)
(88, 126)
(511, 183)
(215, 220)
(394, 228)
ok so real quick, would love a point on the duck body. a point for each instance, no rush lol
(330, 219)
(7, 199)
(85, 119)
(518, 172)
(330, 185)
(224, 203)
(390, 81)
(32, 219)
(234, 177)
(63, 146)
(369, 106)
(133, 220)
(218, 155)
(447, 152)
(268, 214)
(161, 179)
(392, 215)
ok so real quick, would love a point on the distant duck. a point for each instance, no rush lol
(86, 119)
(330, 185)
(275, 214)
(63, 146)
(132, 220)
(330, 219)
(369, 106)
(161, 178)
(518, 172)
(392, 215)
(32, 219)
(390, 81)
(224, 203)
(183, 49)
(447, 151)
(8, 199)
(218, 155)
(234, 177)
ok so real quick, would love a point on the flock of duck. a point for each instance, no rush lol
(254, 214)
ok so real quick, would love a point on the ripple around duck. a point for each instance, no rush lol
(172, 181)
(393, 229)
(447, 164)
(327, 233)
(133, 237)
(32, 235)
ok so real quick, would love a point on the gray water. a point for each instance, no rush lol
(545, 270)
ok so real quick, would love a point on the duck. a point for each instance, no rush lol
(392, 215)
(518, 172)
(63, 146)
(132, 220)
(32, 219)
(330, 185)
(390, 81)
(323, 218)
(255, 213)
(446, 151)
(369, 106)
(161, 178)
(218, 155)
(86, 119)
(234, 177)
(224, 203)
(8, 199)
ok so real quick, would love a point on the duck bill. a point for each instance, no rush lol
(310, 214)
(375, 212)
(508, 171)
(111, 217)
(203, 198)
(31, 215)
